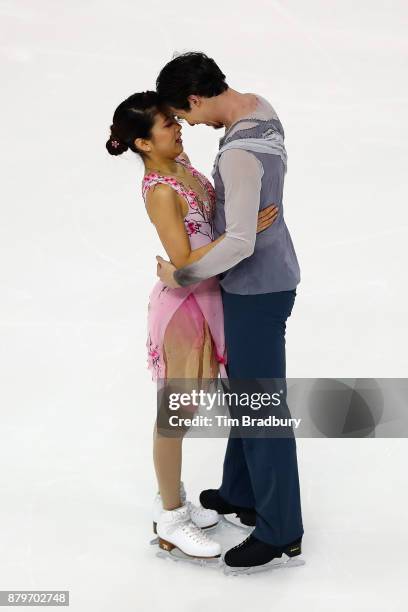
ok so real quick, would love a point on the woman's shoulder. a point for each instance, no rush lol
(160, 199)
(153, 178)
(164, 186)
(161, 191)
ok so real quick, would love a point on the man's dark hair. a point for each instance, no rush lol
(189, 74)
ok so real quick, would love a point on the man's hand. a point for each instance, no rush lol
(266, 217)
(165, 271)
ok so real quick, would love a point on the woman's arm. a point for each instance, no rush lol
(196, 254)
(165, 213)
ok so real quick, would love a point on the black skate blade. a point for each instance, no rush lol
(177, 555)
(284, 562)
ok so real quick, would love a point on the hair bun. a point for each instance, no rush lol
(115, 146)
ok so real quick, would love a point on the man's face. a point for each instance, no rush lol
(199, 113)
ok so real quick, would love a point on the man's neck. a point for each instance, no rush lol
(232, 105)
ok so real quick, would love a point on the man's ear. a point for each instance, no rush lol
(194, 100)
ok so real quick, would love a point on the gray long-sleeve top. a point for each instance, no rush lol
(241, 173)
(270, 263)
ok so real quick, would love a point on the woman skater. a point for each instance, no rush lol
(185, 325)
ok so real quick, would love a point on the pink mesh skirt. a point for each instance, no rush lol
(186, 332)
(188, 347)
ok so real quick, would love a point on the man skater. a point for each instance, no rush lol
(258, 275)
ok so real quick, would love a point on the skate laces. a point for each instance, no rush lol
(242, 543)
(183, 521)
(195, 533)
(176, 518)
(196, 509)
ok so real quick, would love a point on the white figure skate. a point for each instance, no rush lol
(202, 517)
(181, 540)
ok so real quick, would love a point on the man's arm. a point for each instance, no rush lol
(241, 174)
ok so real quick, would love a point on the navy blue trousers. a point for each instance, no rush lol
(261, 473)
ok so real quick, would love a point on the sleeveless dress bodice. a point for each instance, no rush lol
(203, 298)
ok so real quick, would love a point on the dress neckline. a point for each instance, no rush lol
(186, 188)
(204, 204)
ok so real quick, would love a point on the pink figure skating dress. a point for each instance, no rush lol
(186, 325)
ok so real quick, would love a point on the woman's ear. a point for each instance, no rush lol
(143, 145)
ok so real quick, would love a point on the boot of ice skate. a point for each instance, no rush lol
(202, 517)
(212, 500)
(253, 555)
(180, 538)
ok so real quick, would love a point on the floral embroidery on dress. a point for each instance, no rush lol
(199, 219)
(153, 356)
(193, 227)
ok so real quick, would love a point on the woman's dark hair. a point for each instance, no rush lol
(133, 118)
(189, 74)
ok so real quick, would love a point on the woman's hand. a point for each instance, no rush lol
(266, 217)
(165, 271)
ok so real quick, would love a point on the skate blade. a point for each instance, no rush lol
(274, 564)
(177, 555)
(154, 541)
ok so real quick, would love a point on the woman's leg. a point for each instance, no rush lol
(167, 463)
(182, 353)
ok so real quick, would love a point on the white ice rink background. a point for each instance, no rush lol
(78, 261)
